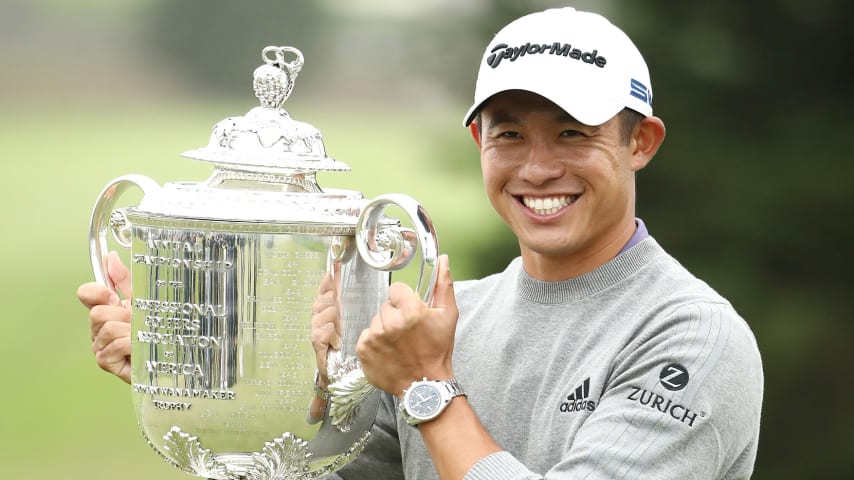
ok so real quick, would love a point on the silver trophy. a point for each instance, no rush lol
(224, 277)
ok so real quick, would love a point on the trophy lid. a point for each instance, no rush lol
(265, 166)
(267, 136)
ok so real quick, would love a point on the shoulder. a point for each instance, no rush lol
(706, 333)
(693, 351)
(469, 291)
(684, 319)
(679, 329)
(664, 289)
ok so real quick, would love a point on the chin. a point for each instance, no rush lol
(551, 250)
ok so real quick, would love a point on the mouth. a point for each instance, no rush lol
(548, 205)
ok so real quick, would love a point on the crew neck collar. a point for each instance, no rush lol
(615, 270)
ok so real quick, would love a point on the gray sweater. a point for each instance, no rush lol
(634, 370)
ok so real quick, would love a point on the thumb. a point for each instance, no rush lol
(119, 274)
(443, 294)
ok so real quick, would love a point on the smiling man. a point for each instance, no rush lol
(595, 355)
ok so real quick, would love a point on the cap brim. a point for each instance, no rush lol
(586, 110)
(469, 117)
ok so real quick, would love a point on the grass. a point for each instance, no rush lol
(61, 416)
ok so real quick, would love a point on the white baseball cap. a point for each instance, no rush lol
(578, 60)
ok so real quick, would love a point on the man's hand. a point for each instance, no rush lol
(326, 323)
(325, 335)
(109, 318)
(408, 340)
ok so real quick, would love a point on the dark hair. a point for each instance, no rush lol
(629, 119)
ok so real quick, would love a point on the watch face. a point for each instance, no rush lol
(423, 401)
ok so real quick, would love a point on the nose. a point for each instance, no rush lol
(541, 165)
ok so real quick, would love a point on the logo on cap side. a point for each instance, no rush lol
(640, 91)
(502, 51)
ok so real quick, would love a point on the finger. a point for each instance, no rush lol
(401, 295)
(376, 326)
(325, 311)
(393, 320)
(323, 302)
(119, 274)
(370, 352)
(115, 358)
(110, 332)
(327, 284)
(107, 313)
(335, 340)
(363, 349)
(103, 314)
(321, 338)
(443, 294)
(91, 294)
(326, 336)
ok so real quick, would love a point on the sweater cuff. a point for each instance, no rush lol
(499, 465)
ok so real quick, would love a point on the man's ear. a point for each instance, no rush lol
(474, 129)
(647, 137)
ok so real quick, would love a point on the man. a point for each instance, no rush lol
(595, 355)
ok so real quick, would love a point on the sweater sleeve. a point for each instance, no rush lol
(683, 401)
(381, 459)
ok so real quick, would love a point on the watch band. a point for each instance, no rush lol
(318, 391)
(454, 387)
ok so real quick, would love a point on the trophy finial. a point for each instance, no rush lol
(274, 81)
(267, 137)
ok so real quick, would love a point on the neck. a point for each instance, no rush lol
(558, 267)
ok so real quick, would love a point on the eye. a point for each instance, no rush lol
(570, 133)
(508, 134)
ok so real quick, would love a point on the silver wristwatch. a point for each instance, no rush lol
(425, 399)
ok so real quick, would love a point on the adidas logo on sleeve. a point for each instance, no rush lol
(579, 400)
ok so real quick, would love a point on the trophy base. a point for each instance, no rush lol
(238, 464)
(284, 458)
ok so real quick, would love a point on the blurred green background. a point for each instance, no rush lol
(749, 191)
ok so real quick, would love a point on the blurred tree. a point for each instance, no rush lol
(216, 44)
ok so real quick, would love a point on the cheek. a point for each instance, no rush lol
(606, 170)
(493, 183)
(490, 172)
(492, 187)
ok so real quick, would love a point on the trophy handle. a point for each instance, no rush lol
(386, 246)
(117, 222)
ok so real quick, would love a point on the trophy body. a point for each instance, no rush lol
(226, 276)
(222, 347)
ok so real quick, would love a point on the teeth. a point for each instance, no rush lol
(549, 205)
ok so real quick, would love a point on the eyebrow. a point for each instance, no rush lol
(565, 117)
(502, 116)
